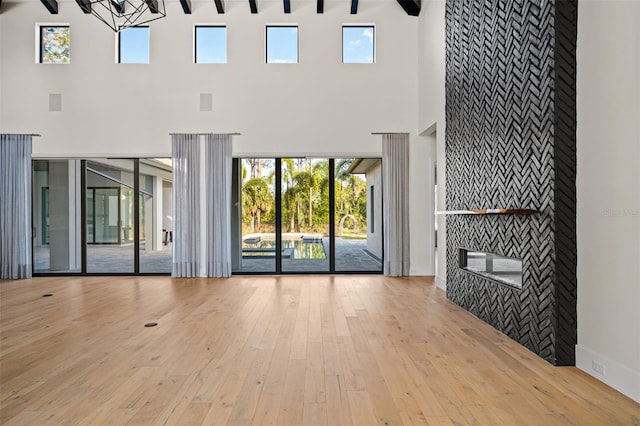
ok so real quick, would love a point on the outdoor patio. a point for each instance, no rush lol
(351, 256)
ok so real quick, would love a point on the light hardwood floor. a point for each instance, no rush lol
(291, 350)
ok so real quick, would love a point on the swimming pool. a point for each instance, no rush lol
(294, 246)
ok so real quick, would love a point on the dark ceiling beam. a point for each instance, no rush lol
(412, 7)
(186, 6)
(287, 6)
(354, 7)
(320, 6)
(253, 6)
(220, 6)
(51, 5)
(85, 5)
(153, 5)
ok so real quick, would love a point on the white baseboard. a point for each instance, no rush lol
(441, 282)
(612, 373)
(421, 271)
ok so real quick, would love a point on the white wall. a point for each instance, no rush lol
(608, 210)
(319, 106)
(431, 113)
(421, 205)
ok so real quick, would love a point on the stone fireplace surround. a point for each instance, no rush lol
(510, 143)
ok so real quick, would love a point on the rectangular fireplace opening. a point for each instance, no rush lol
(503, 269)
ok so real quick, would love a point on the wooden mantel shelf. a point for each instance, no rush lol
(488, 211)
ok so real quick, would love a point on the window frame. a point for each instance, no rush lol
(372, 209)
(374, 50)
(266, 43)
(39, 59)
(195, 42)
(119, 45)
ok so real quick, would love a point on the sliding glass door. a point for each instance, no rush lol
(302, 215)
(358, 214)
(289, 215)
(304, 208)
(254, 215)
(102, 216)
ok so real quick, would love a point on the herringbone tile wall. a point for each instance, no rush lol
(503, 93)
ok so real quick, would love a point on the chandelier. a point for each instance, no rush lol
(122, 14)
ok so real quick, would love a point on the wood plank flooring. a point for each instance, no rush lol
(290, 350)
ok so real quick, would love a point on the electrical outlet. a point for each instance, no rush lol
(597, 367)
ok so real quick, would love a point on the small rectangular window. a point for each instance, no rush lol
(358, 44)
(282, 44)
(133, 45)
(210, 45)
(54, 44)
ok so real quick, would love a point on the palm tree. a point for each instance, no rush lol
(256, 199)
(321, 187)
(305, 181)
(289, 195)
(254, 166)
(343, 179)
(308, 180)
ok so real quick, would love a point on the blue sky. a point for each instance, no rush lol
(211, 45)
(282, 45)
(134, 45)
(357, 45)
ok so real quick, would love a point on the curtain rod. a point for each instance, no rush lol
(204, 134)
(21, 134)
(390, 133)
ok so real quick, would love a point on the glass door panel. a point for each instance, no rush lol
(358, 215)
(56, 216)
(305, 215)
(254, 216)
(109, 197)
(155, 215)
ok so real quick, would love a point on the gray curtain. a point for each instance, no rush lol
(218, 188)
(185, 153)
(15, 206)
(395, 209)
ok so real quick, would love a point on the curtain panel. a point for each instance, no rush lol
(202, 205)
(15, 206)
(185, 154)
(218, 187)
(395, 209)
